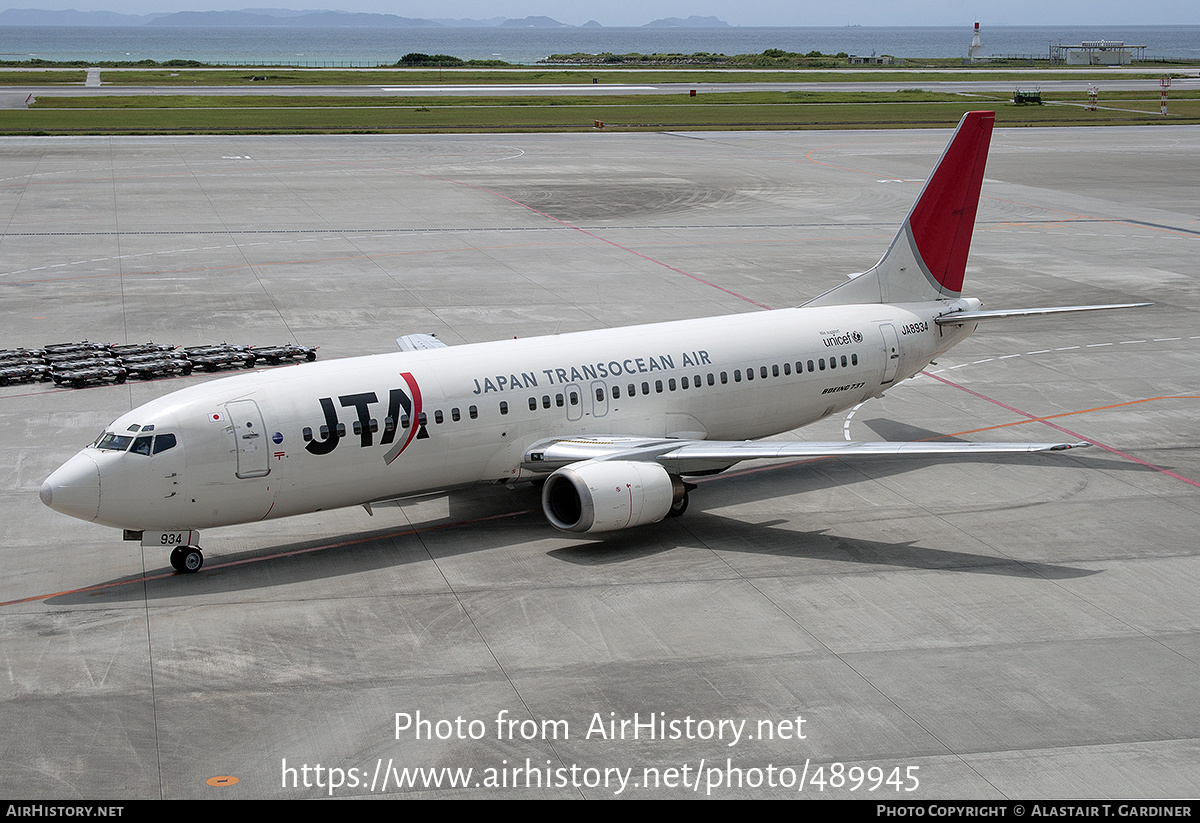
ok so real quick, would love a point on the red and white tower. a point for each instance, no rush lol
(976, 50)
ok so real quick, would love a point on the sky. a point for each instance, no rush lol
(760, 13)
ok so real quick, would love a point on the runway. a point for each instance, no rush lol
(111, 86)
(1017, 628)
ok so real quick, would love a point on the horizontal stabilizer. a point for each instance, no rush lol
(419, 342)
(956, 318)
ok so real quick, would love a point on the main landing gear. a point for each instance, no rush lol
(187, 559)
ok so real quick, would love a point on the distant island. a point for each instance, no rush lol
(257, 18)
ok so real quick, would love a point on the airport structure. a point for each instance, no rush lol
(975, 52)
(1097, 53)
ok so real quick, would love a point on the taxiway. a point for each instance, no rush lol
(1016, 628)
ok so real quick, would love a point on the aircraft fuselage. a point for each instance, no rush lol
(347, 432)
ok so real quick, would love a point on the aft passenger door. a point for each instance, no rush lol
(891, 351)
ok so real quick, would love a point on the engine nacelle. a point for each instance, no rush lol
(604, 496)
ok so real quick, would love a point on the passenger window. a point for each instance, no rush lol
(574, 398)
(724, 378)
(632, 389)
(473, 411)
(711, 381)
(671, 384)
(558, 400)
(658, 386)
(737, 375)
(389, 424)
(504, 407)
(306, 433)
(763, 372)
(683, 382)
(437, 416)
(405, 421)
(854, 359)
(545, 401)
(616, 392)
(533, 404)
(821, 364)
(167, 441)
(843, 361)
(645, 388)
(599, 394)
(833, 362)
(455, 415)
(810, 366)
(749, 374)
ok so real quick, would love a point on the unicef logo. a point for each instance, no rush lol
(858, 338)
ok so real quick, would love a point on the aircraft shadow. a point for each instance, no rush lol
(491, 518)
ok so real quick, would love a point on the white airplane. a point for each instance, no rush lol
(611, 421)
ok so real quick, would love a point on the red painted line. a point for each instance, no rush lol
(1045, 422)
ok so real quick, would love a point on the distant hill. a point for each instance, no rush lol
(467, 22)
(693, 22)
(534, 22)
(71, 17)
(315, 19)
(257, 18)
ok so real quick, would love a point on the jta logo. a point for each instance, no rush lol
(404, 415)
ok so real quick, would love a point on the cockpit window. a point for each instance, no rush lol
(164, 442)
(114, 442)
(145, 444)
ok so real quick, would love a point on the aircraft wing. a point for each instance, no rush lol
(699, 456)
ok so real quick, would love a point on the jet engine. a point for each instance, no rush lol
(604, 496)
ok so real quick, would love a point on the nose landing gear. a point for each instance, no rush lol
(187, 559)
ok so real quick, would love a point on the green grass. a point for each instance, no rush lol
(767, 110)
(172, 101)
(535, 74)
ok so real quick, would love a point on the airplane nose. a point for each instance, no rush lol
(74, 488)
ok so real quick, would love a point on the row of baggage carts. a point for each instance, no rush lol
(84, 363)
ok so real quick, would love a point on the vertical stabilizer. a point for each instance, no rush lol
(928, 256)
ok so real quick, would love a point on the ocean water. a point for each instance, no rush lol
(375, 46)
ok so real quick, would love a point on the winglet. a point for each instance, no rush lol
(943, 218)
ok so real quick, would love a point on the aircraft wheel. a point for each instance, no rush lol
(677, 509)
(187, 559)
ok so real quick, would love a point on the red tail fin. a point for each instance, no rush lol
(928, 256)
(943, 217)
